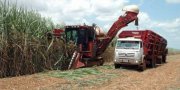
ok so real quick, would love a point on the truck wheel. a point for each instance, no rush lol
(159, 61)
(153, 64)
(142, 67)
(164, 58)
(117, 66)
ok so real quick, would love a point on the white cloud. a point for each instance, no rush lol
(38, 5)
(173, 1)
(76, 11)
(170, 26)
(90, 11)
(145, 22)
(103, 13)
(108, 10)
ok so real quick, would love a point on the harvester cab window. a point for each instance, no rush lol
(80, 36)
(83, 39)
(71, 36)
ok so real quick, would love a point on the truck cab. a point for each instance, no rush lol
(128, 51)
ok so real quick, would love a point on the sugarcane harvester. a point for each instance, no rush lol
(91, 42)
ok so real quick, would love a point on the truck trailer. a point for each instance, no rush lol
(140, 47)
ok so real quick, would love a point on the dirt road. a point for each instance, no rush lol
(163, 77)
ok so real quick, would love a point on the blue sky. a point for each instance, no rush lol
(164, 12)
(161, 16)
(159, 9)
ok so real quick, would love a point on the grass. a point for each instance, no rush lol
(80, 73)
(96, 81)
(174, 88)
(86, 76)
(107, 67)
(75, 74)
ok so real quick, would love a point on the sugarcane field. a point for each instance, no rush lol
(89, 45)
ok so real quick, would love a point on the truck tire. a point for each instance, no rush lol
(164, 59)
(159, 61)
(117, 66)
(152, 63)
(142, 67)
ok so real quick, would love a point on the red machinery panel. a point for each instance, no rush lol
(57, 32)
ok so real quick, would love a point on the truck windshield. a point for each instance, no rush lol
(128, 44)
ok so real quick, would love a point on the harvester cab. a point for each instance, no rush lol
(82, 36)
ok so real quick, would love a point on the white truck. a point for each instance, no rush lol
(141, 48)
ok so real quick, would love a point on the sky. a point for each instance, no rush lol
(160, 16)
